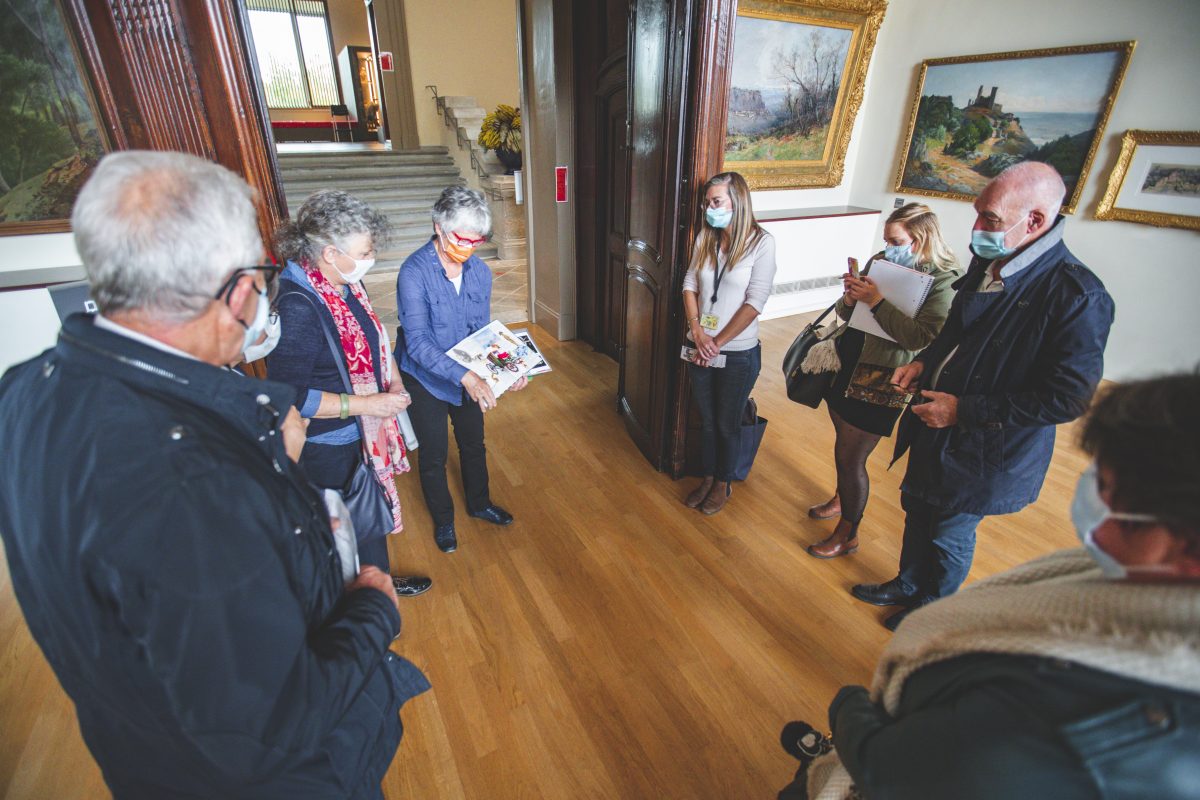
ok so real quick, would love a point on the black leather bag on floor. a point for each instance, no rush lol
(806, 388)
(750, 438)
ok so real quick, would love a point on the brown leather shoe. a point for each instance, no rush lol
(827, 510)
(833, 547)
(699, 493)
(842, 542)
(717, 497)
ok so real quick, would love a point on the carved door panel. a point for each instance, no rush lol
(601, 47)
(658, 199)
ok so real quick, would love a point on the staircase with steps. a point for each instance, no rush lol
(464, 116)
(403, 184)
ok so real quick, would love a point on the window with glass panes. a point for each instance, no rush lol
(295, 60)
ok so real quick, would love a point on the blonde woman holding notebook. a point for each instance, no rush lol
(862, 404)
(724, 291)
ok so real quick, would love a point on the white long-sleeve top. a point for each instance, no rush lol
(747, 282)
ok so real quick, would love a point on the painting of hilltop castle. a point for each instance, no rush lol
(976, 115)
(795, 83)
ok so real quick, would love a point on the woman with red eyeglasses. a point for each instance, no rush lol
(443, 294)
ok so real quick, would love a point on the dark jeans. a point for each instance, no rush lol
(720, 395)
(938, 547)
(330, 466)
(428, 415)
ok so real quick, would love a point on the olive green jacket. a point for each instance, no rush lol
(911, 335)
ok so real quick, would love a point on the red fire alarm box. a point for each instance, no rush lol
(385, 62)
(560, 184)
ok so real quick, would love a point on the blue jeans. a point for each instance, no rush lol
(720, 396)
(937, 551)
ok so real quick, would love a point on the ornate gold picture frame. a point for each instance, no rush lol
(796, 79)
(1156, 180)
(972, 116)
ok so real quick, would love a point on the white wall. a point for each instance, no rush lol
(1151, 272)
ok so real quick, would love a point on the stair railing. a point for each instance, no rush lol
(464, 141)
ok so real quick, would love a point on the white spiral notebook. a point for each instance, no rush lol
(904, 288)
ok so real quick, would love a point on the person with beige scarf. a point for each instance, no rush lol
(1076, 675)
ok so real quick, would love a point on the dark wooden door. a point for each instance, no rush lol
(659, 207)
(601, 49)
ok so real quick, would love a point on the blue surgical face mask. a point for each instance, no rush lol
(901, 254)
(1089, 512)
(990, 244)
(718, 217)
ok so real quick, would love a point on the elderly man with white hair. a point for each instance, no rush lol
(1021, 352)
(170, 557)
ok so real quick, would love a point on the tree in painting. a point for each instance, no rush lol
(785, 82)
(812, 72)
(49, 143)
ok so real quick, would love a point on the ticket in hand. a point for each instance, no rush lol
(689, 354)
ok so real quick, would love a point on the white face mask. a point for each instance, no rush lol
(1089, 512)
(256, 351)
(258, 325)
(361, 268)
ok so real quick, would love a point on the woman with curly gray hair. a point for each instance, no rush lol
(336, 352)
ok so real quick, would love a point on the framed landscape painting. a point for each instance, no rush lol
(50, 140)
(972, 116)
(795, 85)
(1156, 180)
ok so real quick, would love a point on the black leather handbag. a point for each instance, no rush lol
(806, 388)
(367, 501)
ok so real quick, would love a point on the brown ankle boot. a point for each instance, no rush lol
(717, 497)
(827, 510)
(842, 542)
(699, 493)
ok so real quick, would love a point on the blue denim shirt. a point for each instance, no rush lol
(434, 318)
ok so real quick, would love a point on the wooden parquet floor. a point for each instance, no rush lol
(611, 643)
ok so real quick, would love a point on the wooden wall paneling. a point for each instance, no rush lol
(713, 54)
(229, 84)
(180, 76)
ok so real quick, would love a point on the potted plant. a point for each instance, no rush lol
(501, 131)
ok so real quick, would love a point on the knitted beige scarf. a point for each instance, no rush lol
(1058, 606)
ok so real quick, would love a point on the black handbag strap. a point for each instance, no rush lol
(339, 357)
(824, 314)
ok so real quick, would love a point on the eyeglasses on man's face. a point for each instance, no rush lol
(272, 272)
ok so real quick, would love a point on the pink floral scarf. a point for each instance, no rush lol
(381, 442)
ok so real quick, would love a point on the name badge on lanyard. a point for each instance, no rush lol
(710, 322)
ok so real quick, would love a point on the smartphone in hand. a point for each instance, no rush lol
(852, 264)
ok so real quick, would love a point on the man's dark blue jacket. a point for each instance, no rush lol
(181, 577)
(1028, 358)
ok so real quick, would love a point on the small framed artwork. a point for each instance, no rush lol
(1156, 180)
(796, 81)
(52, 137)
(973, 116)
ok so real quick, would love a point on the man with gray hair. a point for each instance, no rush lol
(1021, 352)
(171, 559)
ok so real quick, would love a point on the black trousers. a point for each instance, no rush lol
(428, 415)
(330, 466)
